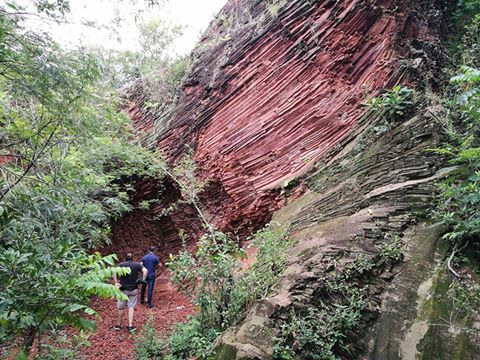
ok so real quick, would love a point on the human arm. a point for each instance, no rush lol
(117, 284)
(144, 271)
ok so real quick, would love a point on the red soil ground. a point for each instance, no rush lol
(170, 307)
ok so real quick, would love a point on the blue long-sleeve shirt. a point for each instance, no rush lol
(150, 261)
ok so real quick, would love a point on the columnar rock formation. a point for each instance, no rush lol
(269, 94)
(275, 96)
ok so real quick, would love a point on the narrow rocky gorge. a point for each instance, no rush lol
(274, 110)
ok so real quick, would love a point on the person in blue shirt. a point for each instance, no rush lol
(149, 261)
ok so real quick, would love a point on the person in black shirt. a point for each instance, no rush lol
(128, 286)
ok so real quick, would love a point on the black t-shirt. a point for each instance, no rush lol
(129, 281)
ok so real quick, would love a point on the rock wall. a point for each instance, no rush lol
(160, 221)
(277, 97)
(273, 89)
(360, 201)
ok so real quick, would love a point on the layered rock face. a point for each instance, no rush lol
(366, 197)
(276, 85)
(275, 95)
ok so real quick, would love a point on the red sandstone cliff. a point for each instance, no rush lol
(268, 96)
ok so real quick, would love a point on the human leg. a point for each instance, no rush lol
(121, 305)
(132, 303)
(142, 296)
(119, 319)
(131, 312)
(151, 285)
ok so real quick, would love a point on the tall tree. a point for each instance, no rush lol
(65, 156)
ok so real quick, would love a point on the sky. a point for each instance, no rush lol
(193, 15)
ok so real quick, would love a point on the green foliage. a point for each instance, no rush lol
(469, 48)
(190, 339)
(60, 346)
(465, 298)
(186, 177)
(393, 250)
(459, 198)
(391, 107)
(208, 276)
(465, 11)
(154, 62)
(314, 333)
(45, 285)
(393, 104)
(322, 330)
(272, 246)
(177, 71)
(50, 8)
(65, 155)
(464, 41)
(460, 193)
(468, 98)
(156, 37)
(222, 292)
(147, 345)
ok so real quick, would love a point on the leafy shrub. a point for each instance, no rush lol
(68, 152)
(58, 346)
(466, 300)
(212, 269)
(272, 246)
(393, 104)
(465, 12)
(460, 194)
(468, 97)
(321, 331)
(177, 71)
(314, 333)
(469, 47)
(189, 339)
(390, 107)
(148, 346)
(48, 287)
(222, 292)
(393, 250)
(459, 200)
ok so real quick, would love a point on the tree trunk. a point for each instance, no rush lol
(28, 339)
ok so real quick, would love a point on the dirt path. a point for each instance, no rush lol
(170, 307)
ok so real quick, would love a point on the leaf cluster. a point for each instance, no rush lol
(223, 292)
(148, 345)
(321, 331)
(393, 104)
(460, 192)
(66, 157)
